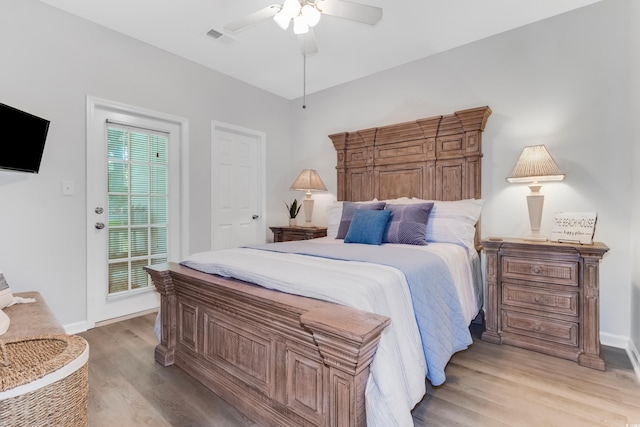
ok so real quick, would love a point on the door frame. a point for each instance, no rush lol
(96, 109)
(261, 174)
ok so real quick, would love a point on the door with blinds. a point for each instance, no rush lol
(133, 217)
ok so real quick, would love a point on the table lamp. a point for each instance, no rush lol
(308, 181)
(535, 165)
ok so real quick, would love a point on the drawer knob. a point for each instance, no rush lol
(536, 299)
(537, 270)
(536, 328)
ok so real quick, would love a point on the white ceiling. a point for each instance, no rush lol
(270, 58)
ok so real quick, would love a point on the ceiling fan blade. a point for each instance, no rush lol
(352, 11)
(253, 18)
(308, 42)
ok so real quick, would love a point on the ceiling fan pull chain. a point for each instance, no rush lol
(304, 81)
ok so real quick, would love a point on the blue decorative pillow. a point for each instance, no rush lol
(348, 209)
(368, 226)
(408, 223)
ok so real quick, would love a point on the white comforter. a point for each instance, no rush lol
(397, 376)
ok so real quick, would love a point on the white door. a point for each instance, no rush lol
(237, 186)
(133, 212)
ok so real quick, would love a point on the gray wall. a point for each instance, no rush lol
(563, 82)
(49, 62)
(634, 69)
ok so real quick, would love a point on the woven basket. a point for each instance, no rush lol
(44, 381)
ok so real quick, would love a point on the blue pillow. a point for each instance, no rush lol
(408, 223)
(367, 226)
(348, 208)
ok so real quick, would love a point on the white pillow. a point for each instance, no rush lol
(6, 296)
(453, 221)
(4, 322)
(334, 215)
(398, 201)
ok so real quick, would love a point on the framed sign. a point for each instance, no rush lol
(574, 227)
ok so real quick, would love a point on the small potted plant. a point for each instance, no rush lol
(294, 209)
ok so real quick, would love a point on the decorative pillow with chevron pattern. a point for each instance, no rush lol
(408, 223)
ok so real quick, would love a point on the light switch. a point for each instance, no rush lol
(67, 188)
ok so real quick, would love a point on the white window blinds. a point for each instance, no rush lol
(138, 205)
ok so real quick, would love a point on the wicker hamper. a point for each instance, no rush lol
(44, 381)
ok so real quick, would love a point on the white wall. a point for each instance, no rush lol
(49, 62)
(563, 82)
(634, 69)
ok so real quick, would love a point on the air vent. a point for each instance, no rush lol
(221, 37)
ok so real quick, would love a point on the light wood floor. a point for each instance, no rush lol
(487, 385)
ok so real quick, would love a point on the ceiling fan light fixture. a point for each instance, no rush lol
(310, 15)
(282, 19)
(291, 8)
(299, 26)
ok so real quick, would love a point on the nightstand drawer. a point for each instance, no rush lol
(552, 301)
(540, 270)
(288, 234)
(553, 330)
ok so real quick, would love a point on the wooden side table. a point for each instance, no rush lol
(544, 296)
(287, 234)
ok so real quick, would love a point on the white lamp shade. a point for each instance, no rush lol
(310, 15)
(299, 26)
(282, 19)
(308, 180)
(535, 164)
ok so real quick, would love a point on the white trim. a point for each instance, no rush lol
(126, 294)
(116, 109)
(634, 357)
(75, 328)
(611, 340)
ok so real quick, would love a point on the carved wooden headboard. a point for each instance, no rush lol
(437, 158)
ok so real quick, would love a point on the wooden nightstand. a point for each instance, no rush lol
(287, 234)
(544, 296)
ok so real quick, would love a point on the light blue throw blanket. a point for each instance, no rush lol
(437, 308)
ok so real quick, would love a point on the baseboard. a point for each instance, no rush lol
(78, 327)
(634, 356)
(614, 340)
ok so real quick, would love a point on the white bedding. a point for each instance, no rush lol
(397, 377)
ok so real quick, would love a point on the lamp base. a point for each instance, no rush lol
(307, 204)
(535, 201)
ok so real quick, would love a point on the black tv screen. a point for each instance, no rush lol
(23, 137)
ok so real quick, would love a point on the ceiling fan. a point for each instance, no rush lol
(305, 14)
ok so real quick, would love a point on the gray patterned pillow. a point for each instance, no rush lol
(348, 208)
(408, 223)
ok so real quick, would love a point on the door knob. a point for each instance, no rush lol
(99, 225)
(99, 210)
(255, 216)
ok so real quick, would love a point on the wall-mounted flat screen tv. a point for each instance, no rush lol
(23, 137)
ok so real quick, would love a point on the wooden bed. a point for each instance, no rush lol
(286, 360)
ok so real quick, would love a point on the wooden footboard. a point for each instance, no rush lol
(281, 359)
